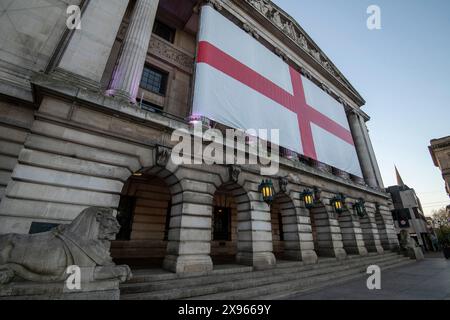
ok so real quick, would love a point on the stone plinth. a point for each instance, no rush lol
(98, 290)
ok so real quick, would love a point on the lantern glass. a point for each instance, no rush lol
(308, 198)
(267, 191)
(338, 203)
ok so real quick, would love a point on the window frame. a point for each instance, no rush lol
(164, 84)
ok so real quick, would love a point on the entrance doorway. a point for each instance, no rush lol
(144, 216)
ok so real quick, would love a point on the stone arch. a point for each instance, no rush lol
(233, 197)
(145, 212)
(352, 235)
(370, 230)
(386, 227)
(326, 231)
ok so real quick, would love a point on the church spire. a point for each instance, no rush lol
(399, 178)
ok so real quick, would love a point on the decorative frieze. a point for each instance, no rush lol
(251, 30)
(169, 53)
(291, 29)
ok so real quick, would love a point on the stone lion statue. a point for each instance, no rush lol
(45, 257)
(409, 246)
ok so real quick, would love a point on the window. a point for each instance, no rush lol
(164, 31)
(154, 80)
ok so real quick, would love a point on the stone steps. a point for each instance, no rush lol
(296, 285)
(242, 282)
(241, 274)
(325, 284)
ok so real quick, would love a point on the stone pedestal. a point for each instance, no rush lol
(329, 236)
(415, 253)
(189, 245)
(255, 247)
(298, 238)
(97, 290)
(352, 235)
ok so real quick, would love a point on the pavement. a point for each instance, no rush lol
(428, 279)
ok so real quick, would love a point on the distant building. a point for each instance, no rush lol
(408, 213)
(440, 152)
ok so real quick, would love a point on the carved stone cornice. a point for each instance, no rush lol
(169, 53)
(292, 30)
(215, 3)
(251, 30)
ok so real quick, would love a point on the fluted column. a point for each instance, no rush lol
(128, 71)
(362, 149)
(373, 158)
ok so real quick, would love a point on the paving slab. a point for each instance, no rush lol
(425, 280)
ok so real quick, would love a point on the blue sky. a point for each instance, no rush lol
(402, 71)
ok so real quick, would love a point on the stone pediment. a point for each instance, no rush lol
(292, 30)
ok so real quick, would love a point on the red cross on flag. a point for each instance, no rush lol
(242, 84)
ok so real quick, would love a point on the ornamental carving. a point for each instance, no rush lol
(283, 182)
(235, 172)
(251, 30)
(169, 53)
(293, 31)
(162, 156)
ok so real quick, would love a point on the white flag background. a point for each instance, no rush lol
(242, 84)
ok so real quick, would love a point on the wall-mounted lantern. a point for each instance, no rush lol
(338, 203)
(267, 191)
(360, 208)
(307, 196)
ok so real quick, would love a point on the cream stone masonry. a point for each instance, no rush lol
(440, 153)
(352, 234)
(88, 50)
(76, 147)
(386, 228)
(328, 232)
(370, 230)
(128, 71)
(15, 123)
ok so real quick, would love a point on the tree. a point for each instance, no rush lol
(442, 217)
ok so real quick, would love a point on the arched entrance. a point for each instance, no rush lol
(144, 216)
(231, 232)
(224, 226)
(279, 210)
(312, 217)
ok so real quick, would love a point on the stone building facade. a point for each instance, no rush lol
(440, 152)
(76, 130)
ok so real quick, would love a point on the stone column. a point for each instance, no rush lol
(352, 235)
(298, 238)
(255, 247)
(189, 245)
(128, 71)
(89, 48)
(370, 230)
(373, 158)
(329, 236)
(386, 228)
(362, 150)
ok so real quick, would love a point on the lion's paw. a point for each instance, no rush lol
(6, 276)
